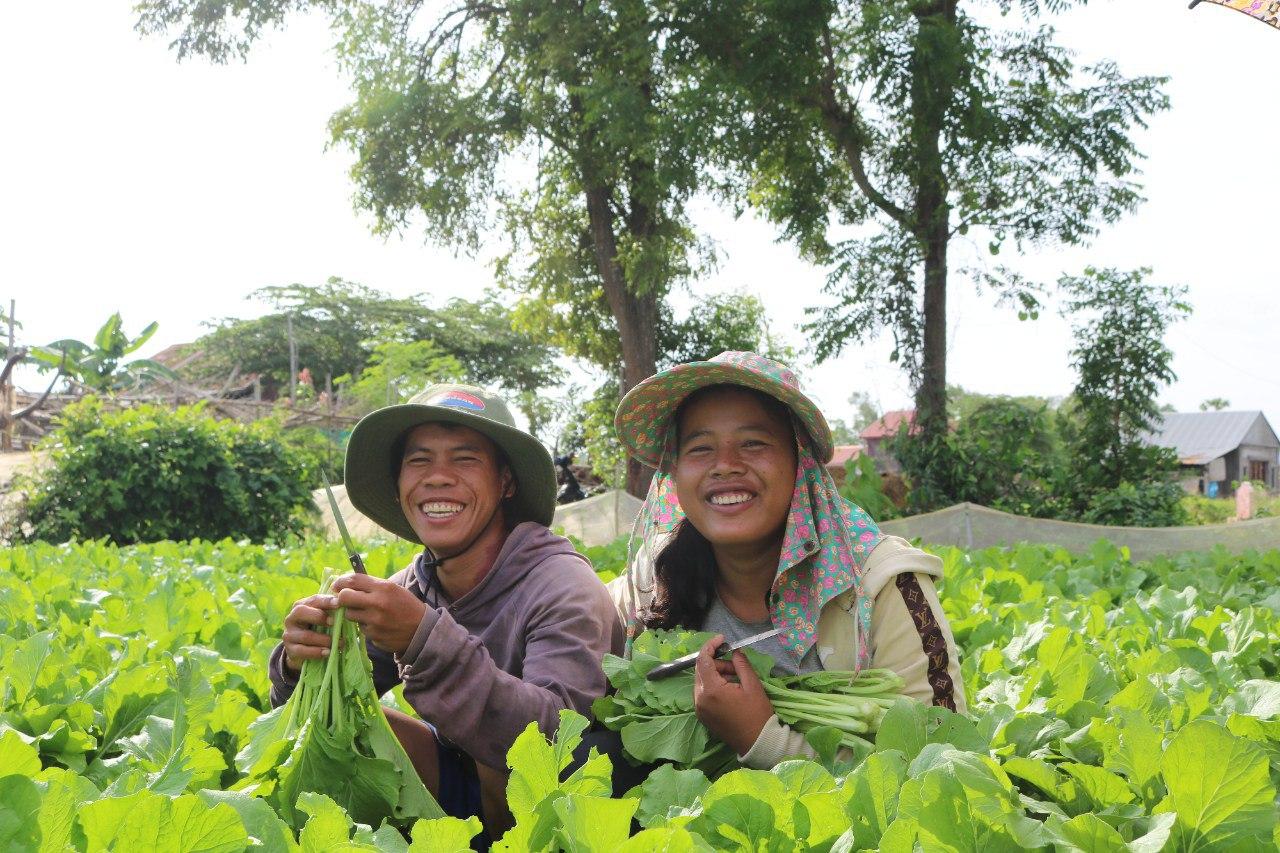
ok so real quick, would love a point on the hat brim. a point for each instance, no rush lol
(646, 409)
(373, 488)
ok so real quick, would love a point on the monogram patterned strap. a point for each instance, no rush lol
(931, 640)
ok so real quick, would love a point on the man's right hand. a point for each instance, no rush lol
(301, 641)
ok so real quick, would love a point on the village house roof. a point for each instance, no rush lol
(887, 425)
(1201, 437)
(843, 453)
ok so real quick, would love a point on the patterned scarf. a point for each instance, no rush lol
(824, 549)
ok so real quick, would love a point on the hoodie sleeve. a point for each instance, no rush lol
(453, 683)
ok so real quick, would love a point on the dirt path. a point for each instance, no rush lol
(12, 463)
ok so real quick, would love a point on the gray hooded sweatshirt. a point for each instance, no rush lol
(526, 643)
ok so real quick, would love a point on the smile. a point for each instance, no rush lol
(440, 509)
(730, 498)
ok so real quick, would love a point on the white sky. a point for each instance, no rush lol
(169, 192)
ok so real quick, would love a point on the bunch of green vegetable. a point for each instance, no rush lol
(332, 738)
(658, 723)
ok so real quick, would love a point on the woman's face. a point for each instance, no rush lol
(735, 468)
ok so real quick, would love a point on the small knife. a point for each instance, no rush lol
(683, 663)
(352, 554)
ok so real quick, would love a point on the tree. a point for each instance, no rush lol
(715, 324)
(332, 325)
(876, 132)
(451, 111)
(340, 325)
(865, 411)
(396, 370)
(1119, 321)
(100, 366)
(1215, 404)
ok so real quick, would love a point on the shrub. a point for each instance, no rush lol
(1152, 504)
(151, 473)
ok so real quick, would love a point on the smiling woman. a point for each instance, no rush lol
(744, 532)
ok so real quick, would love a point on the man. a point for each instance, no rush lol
(497, 623)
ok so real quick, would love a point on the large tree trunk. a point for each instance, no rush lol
(932, 89)
(635, 313)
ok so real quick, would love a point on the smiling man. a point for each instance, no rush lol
(499, 622)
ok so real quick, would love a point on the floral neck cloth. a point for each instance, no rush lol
(824, 549)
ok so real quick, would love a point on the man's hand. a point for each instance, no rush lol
(388, 612)
(301, 640)
(729, 698)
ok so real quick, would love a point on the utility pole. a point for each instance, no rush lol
(293, 360)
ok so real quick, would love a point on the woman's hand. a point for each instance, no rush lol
(729, 698)
(388, 613)
(301, 641)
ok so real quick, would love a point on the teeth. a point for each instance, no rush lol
(730, 498)
(440, 508)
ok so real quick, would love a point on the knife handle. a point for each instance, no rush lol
(357, 563)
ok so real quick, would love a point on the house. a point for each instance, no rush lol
(883, 428)
(1217, 449)
(843, 453)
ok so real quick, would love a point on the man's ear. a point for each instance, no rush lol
(508, 484)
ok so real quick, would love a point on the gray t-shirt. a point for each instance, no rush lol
(720, 620)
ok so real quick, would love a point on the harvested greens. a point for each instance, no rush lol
(332, 738)
(657, 720)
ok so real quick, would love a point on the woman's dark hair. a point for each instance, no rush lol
(685, 569)
(684, 581)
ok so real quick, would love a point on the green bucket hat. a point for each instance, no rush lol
(370, 473)
(643, 415)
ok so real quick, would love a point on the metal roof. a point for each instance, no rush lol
(1201, 437)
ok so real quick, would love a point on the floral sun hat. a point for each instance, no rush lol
(647, 408)
(827, 540)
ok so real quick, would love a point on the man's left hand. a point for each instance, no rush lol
(388, 613)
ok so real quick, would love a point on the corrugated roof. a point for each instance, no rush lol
(843, 453)
(1201, 437)
(887, 425)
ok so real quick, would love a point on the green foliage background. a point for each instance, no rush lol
(151, 473)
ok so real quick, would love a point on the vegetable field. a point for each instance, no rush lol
(1115, 707)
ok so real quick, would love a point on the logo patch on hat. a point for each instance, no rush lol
(458, 400)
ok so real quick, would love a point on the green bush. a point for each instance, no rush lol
(151, 473)
(1152, 504)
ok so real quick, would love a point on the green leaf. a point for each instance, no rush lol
(1087, 833)
(593, 824)
(904, 728)
(666, 839)
(668, 790)
(873, 803)
(20, 802)
(16, 755)
(1219, 788)
(64, 793)
(1102, 786)
(678, 737)
(149, 821)
(444, 835)
(327, 826)
(259, 819)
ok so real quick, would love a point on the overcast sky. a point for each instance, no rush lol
(169, 192)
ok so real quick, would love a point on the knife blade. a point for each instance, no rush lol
(353, 555)
(682, 663)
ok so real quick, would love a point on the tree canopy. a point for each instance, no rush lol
(877, 132)
(342, 329)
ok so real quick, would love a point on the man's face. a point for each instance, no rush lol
(451, 484)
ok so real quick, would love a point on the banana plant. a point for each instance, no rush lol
(100, 366)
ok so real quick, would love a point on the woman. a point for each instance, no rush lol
(748, 533)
